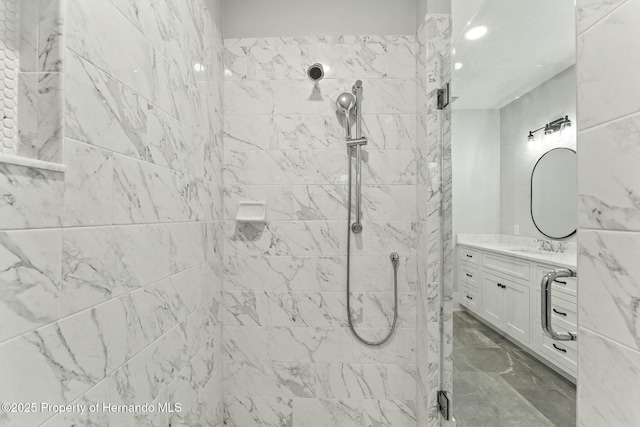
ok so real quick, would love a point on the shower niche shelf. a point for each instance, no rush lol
(255, 211)
(31, 163)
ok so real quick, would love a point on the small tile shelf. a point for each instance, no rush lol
(252, 211)
(32, 163)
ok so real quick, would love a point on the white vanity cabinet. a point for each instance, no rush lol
(503, 289)
(506, 302)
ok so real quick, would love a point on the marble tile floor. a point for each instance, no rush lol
(496, 383)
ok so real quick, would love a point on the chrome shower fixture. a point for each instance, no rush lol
(346, 103)
(315, 72)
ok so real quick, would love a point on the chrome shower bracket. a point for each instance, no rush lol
(444, 96)
(356, 142)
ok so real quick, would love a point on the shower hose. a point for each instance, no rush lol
(394, 261)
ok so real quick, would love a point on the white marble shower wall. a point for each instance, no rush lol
(609, 219)
(111, 273)
(290, 358)
(434, 244)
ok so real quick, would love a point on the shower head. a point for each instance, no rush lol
(345, 103)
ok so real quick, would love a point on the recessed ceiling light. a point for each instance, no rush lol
(476, 32)
(457, 65)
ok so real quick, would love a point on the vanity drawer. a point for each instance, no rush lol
(469, 255)
(511, 266)
(566, 312)
(560, 305)
(469, 276)
(563, 352)
(567, 287)
(469, 298)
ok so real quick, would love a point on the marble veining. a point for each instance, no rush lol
(30, 277)
(607, 214)
(609, 294)
(610, 201)
(284, 281)
(112, 271)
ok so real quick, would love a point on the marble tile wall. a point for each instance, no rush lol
(609, 215)
(434, 244)
(111, 274)
(290, 358)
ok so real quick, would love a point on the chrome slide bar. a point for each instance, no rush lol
(356, 227)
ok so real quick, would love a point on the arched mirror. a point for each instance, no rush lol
(554, 193)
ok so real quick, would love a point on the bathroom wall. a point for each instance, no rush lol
(552, 99)
(290, 358)
(475, 144)
(279, 18)
(111, 272)
(609, 218)
(434, 201)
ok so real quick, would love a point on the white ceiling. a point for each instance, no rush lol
(528, 42)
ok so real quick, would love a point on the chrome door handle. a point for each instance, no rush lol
(545, 318)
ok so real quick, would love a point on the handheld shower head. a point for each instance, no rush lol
(346, 102)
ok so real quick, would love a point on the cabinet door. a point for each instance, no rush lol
(493, 300)
(517, 316)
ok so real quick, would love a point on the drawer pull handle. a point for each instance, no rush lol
(469, 256)
(500, 285)
(559, 349)
(468, 297)
(559, 312)
(562, 282)
(469, 275)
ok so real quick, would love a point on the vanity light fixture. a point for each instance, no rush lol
(551, 127)
(476, 32)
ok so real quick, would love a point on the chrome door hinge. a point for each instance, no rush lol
(444, 405)
(444, 97)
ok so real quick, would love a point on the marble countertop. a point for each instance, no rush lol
(522, 248)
